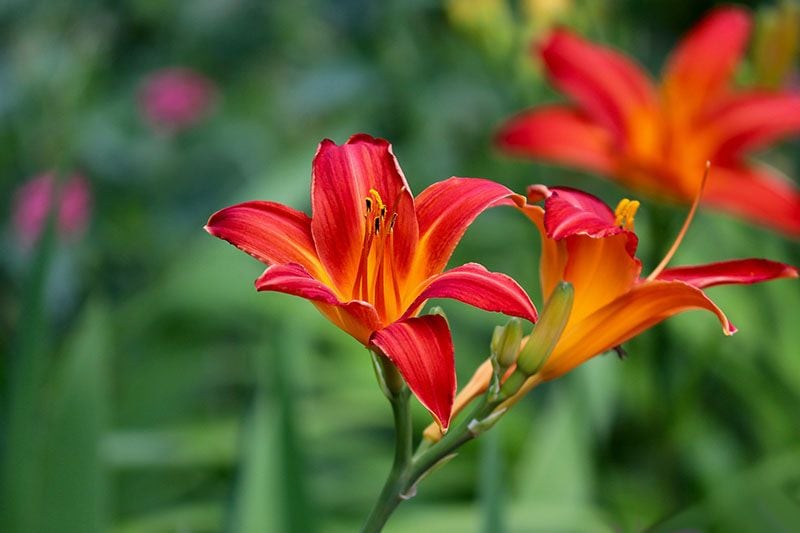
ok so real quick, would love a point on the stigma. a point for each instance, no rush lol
(625, 212)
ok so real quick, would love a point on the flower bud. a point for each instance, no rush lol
(506, 342)
(548, 330)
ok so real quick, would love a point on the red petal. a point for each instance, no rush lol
(342, 177)
(608, 86)
(750, 121)
(701, 66)
(476, 286)
(444, 210)
(742, 271)
(422, 350)
(270, 232)
(571, 212)
(757, 194)
(357, 318)
(561, 135)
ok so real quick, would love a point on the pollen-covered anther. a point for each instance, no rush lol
(625, 213)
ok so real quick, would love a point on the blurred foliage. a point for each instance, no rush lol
(147, 387)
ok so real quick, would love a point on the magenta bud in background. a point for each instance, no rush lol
(175, 98)
(33, 202)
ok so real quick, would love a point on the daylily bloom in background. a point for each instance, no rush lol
(657, 140)
(371, 255)
(592, 247)
(175, 98)
(33, 202)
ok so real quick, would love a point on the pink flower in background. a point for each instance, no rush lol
(33, 202)
(175, 98)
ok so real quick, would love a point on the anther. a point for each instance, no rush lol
(392, 221)
(383, 211)
(377, 225)
(625, 212)
(368, 201)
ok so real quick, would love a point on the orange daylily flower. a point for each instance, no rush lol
(372, 255)
(653, 140)
(592, 247)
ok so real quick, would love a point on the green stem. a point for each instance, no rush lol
(394, 488)
(407, 471)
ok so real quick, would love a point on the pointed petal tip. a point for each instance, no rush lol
(422, 350)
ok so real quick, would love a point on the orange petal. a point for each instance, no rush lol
(644, 306)
(553, 255)
(702, 64)
(560, 135)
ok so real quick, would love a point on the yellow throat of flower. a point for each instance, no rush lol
(625, 213)
(376, 267)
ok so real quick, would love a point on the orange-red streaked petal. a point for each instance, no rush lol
(748, 121)
(740, 271)
(609, 87)
(702, 64)
(444, 210)
(570, 212)
(272, 233)
(600, 270)
(357, 318)
(756, 193)
(644, 306)
(476, 286)
(554, 253)
(560, 135)
(422, 350)
(342, 177)
(477, 385)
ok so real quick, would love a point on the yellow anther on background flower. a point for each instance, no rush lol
(625, 213)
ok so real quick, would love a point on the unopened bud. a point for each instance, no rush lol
(548, 330)
(436, 310)
(506, 342)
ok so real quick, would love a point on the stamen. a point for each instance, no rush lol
(377, 198)
(368, 202)
(391, 222)
(383, 211)
(625, 213)
(377, 224)
(361, 275)
(674, 248)
(393, 273)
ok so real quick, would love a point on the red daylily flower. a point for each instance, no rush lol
(371, 255)
(657, 141)
(587, 244)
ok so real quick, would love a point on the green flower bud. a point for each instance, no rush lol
(548, 330)
(506, 342)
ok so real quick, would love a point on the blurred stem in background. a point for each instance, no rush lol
(22, 446)
(491, 483)
(298, 515)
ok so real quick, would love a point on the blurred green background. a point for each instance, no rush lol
(147, 387)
